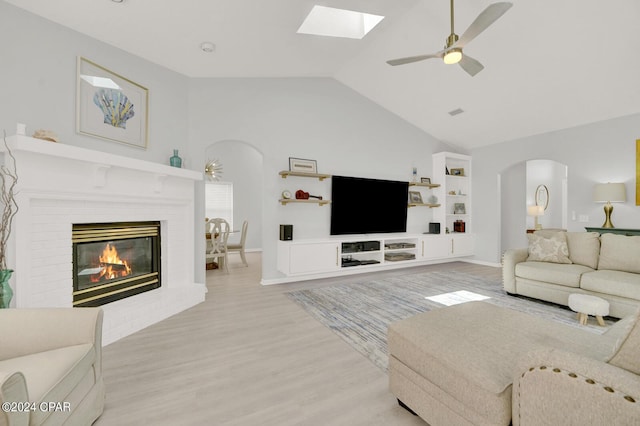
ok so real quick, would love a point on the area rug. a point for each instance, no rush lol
(360, 313)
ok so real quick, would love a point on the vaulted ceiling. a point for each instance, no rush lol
(548, 64)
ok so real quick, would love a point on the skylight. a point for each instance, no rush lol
(331, 22)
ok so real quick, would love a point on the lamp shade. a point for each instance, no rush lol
(610, 192)
(535, 210)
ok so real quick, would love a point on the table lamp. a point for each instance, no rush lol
(609, 193)
(536, 211)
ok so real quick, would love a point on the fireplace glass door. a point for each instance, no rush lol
(115, 260)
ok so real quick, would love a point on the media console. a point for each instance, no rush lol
(338, 255)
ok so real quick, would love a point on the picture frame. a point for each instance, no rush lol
(425, 180)
(110, 106)
(457, 172)
(415, 197)
(459, 208)
(303, 165)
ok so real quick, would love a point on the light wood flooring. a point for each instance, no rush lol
(249, 356)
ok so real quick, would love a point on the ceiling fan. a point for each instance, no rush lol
(452, 52)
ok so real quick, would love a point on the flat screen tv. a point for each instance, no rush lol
(368, 206)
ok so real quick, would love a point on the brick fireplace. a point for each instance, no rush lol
(63, 187)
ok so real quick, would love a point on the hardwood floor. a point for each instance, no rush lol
(249, 356)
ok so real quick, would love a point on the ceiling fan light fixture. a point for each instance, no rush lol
(452, 56)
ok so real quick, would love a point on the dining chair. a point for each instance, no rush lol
(217, 245)
(239, 247)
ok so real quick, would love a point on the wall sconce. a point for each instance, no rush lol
(609, 193)
(536, 211)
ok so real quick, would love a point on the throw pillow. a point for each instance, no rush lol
(552, 249)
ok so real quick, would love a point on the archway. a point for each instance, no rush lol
(242, 166)
(523, 184)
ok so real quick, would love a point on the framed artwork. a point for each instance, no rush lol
(302, 165)
(415, 197)
(425, 180)
(457, 172)
(459, 208)
(110, 106)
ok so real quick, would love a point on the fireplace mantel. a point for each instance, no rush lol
(61, 185)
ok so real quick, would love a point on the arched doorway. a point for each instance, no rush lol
(522, 185)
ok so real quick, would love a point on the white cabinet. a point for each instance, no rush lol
(435, 247)
(446, 246)
(308, 257)
(453, 171)
(461, 245)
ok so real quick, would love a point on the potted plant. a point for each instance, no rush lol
(8, 210)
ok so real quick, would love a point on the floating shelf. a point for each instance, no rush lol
(423, 205)
(426, 185)
(285, 201)
(286, 173)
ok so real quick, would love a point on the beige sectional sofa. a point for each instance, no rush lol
(51, 366)
(557, 264)
(480, 364)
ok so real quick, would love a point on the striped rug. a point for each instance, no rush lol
(360, 313)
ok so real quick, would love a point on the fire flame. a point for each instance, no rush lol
(112, 265)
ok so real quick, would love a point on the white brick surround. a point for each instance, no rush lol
(61, 185)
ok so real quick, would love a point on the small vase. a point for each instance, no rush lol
(175, 161)
(6, 294)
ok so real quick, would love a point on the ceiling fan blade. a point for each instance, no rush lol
(482, 22)
(470, 65)
(410, 59)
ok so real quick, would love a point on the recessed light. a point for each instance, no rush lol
(117, 1)
(208, 47)
(332, 22)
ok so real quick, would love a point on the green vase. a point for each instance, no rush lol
(6, 294)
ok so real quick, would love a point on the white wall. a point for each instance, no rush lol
(38, 87)
(594, 153)
(313, 118)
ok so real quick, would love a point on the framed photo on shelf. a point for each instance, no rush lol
(302, 165)
(425, 180)
(457, 172)
(459, 208)
(415, 197)
(110, 106)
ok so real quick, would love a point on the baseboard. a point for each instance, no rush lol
(482, 262)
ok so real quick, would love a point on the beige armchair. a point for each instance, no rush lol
(51, 359)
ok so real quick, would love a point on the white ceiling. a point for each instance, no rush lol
(549, 64)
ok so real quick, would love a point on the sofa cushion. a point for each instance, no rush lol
(616, 283)
(619, 253)
(561, 274)
(548, 249)
(52, 375)
(628, 354)
(584, 248)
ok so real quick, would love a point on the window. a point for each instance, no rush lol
(219, 201)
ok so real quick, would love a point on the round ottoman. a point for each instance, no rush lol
(586, 305)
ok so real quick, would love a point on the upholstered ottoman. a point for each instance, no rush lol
(455, 365)
(585, 305)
